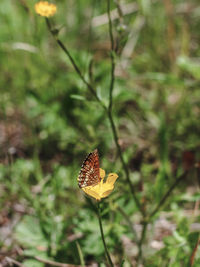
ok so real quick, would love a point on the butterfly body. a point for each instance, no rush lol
(89, 174)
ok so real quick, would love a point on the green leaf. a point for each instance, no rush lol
(29, 234)
(189, 65)
(33, 263)
(78, 97)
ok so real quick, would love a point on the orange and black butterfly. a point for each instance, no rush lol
(89, 174)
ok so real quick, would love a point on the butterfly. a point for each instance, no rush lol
(89, 174)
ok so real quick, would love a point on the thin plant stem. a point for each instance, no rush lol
(102, 235)
(194, 252)
(167, 194)
(109, 111)
(77, 69)
(129, 222)
(80, 253)
(133, 193)
(119, 10)
(93, 92)
(146, 220)
(141, 241)
(112, 57)
(110, 25)
(157, 208)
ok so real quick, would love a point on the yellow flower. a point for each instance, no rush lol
(45, 9)
(103, 189)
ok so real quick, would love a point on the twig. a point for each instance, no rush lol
(12, 261)
(192, 258)
(102, 235)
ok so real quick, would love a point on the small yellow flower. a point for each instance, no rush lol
(103, 189)
(45, 9)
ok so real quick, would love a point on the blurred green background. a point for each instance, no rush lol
(49, 122)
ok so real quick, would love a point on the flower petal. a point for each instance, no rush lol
(112, 177)
(91, 192)
(106, 193)
(102, 173)
(106, 189)
(102, 189)
(45, 9)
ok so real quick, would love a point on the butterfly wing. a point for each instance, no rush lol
(89, 174)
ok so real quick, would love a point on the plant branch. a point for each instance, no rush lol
(114, 131)
(148, 219)
(109, 110)
(102, 235)
(112, 57)
(142, 238)
(93, 92)
(194, 252)
(167, 194)
(77, 69)
(126, 217)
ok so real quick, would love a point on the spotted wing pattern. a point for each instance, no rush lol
(89, 173)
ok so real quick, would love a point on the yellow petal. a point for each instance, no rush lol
(107, 189)
(45, 9)
(102, 173)
(106, 193)
(112, 177)
(102, 189)
(89, 191)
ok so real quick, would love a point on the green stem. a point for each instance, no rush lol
(112, 57)
(133, 193)
(110, 25)
(194, 252)
(93, 92)
(109, 111)
(160, 204)
(129, 222)
(167, 194)
(80, 253)
(143, 235)
(102, 235)
(77, 69)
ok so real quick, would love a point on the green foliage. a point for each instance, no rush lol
(49, 121)
(29, 234)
